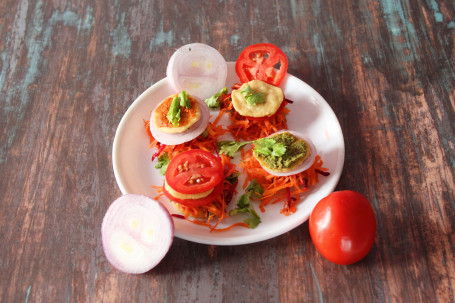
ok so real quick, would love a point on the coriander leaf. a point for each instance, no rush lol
(255, 191)
(278, 150)
(255, 99)
(229, 148)
(269, 147)
(265, 142)
(244, 200)
(163, 162)
(238, 210)
(254, 219)
(173, 115)
(184, 100)
(213, 102)
(247, 90)
(233, 178)
(265, 150)
(265, 146)
(252, 97)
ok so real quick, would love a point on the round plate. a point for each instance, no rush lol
(310, 114)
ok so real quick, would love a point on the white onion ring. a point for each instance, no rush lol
(304, 165)
(191, 133)
(197, 68)
(137, 233)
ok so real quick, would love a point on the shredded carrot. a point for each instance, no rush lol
(208, 143)
(217, 229)
(287, 190)
(232, 226)
(242, 128)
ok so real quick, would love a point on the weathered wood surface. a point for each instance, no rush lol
(69, 70)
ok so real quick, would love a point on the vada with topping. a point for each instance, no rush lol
(257, 99)
(179, 118)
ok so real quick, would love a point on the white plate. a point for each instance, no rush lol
(310, 114)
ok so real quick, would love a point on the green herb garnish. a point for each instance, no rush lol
(214, 101)
(264, 146)
(233, 177)
(173, 115)
(269, 147)
(163, 162)
(184, 100)
(252, 97)
(276, 157)
(253, 191)
(229, 148)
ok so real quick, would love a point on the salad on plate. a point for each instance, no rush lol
(221, 153)
(202, 169)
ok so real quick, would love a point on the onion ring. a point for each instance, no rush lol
(137, 232)
(191, 133)
(197, 68)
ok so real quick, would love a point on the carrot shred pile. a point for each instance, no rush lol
(242, 128)
(213, 213)
(208, 143)
(281, 189)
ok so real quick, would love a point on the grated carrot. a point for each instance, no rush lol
(287, 190)
(242, 128)
(208, 143)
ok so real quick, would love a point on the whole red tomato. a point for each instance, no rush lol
(343, 227)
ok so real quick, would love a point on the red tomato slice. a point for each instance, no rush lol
(194, 171)
(263, 61)
(343, 227)
(196, 202)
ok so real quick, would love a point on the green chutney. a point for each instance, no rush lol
(297, 150)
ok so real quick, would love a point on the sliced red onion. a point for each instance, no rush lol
(191, 133)
(304, 165)
(137, 232)
(197, 68)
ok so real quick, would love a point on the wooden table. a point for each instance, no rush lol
(70, 70)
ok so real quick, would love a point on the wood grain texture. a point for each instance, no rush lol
(69, 70)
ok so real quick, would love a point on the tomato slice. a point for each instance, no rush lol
(194, 171)
(263, 61)
(196, 202)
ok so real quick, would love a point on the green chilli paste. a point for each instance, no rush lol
(297, 150)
